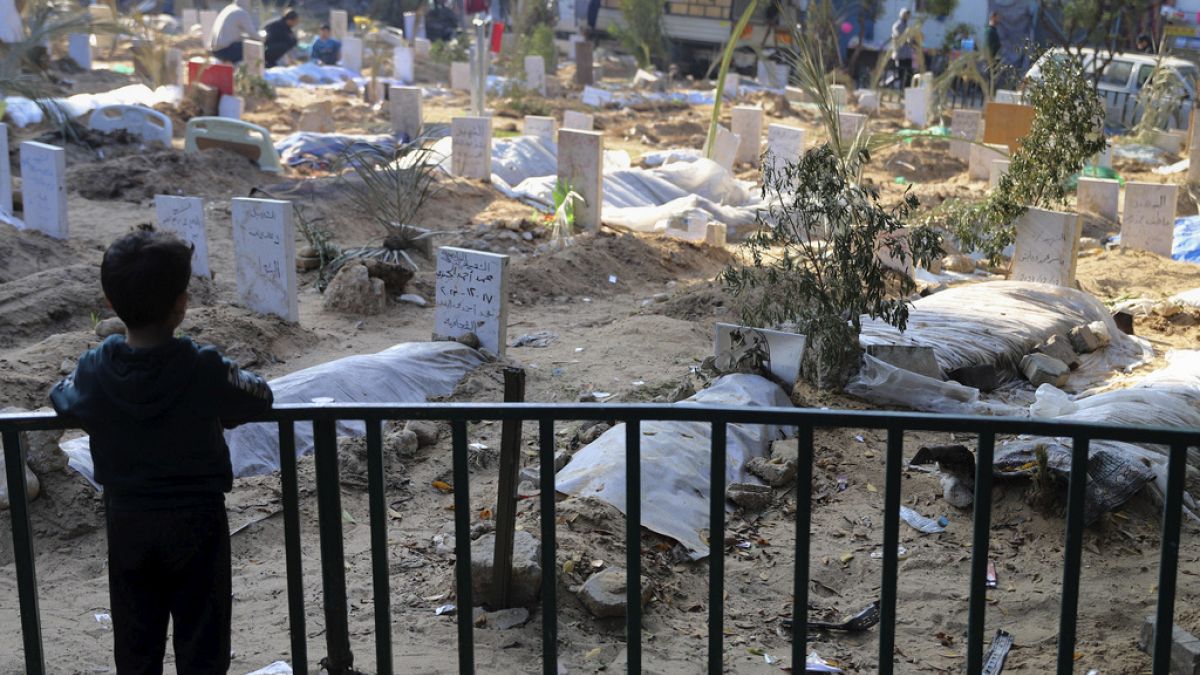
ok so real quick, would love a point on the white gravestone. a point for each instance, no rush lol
(255, 57)
(573, 119)
(406, 110)
(1047, 247)
(999, 167)
(732, 82)
(471, 296)
(403, 65)
(184, 217)
(410, 25)
(1100, 196)
(850, 124)
(231, 107)
(541, 127)
(1148, 223)
(980, 165)
(967, 125)
(352, 54)
(581, 165)
(79, 48)
(841, 95)
(535, 73)
(725, 147)
(339, 22)
(746, 122)
(264, 246)
(784, 144)
(916, 106)
(460, 76)
(44, 188)
(771, 74)
(422, 47)
(785, 349)
(471, 147)
(6, 205)
(868, 101)
(1009, 96)
(207, 19)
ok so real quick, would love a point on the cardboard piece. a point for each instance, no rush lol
(184, 216)
(249, 140)
(1148, 222)
(471, 296)
(149, 124)
(264, 245)
(1007, 124)
(1047, 247)
(581, 165)
(471, 147)
(746, 122)
(44, 188)
(783, 349)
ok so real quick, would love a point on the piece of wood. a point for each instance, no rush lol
(506, 492)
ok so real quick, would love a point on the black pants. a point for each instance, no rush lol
(904, 72)
(170, 563)
(231, 54)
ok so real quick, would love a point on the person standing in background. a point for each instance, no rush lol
(902, 49)
(232, 25)
(992, 38)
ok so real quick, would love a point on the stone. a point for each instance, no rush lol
(264, 244)
(472, 296)
(850, 124)
(79, 48)
(231, 107)
(353, 291)
(584, 63)
(110, 326)
(184, 217)
(573, 119)
(404, 443)
(1059, 347)
(317, 118)
(395, 277)
(426, 431)
(998, 168)
(750, 496)
(460, 76)
(404, 64)
(981, 377)
(504, 619)
(747, 122)
(44, 188)
(979, 160)
(604, 593)
(338, 23)
(33, 487)
(785, 450)
(254, 55)
(526, 582)
(42, 453)
(535, 74)
(545, 128)
(966, 125)
(1185, 647)
(1099, 196)
(725, 148)
(957, 262)
(471, 147)
(916, 106)
(775, 474)
(580, 165)
(919, 360)
(414, 299)
(1148, 222)
(868, 101)
(1084, 340)
(1047, 247)
(784, 144)
(1090, 244)
(1040, 369)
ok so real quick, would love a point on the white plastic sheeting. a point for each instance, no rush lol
(310, 75)
(675, 461)
(409, 372)
(24, 112)
(11, 29)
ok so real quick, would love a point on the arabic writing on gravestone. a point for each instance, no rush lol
(467, 291)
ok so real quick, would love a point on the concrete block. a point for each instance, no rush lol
(1040, 369)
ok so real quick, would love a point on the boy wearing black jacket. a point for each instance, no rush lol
(155, 406)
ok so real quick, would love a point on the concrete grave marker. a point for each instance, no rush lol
(725, 147)
(471, 296)
(573, 119)
(850, 124)
(352, 54)
(841, 95)
(184, 217)
(980, 165)
(44, 188)
(746, 122)
(535, 73)
(772, 74)
(422, 47)
(6, 204)
(173, 67)
(785, 349)
(595, 97)
(1009, 96)
(405, 103)
(1148, 223)
(460, 76)
(403, 65)
(964, 124)
(1047, 247)
(1170, 141)
(916, 106)
(318, 118)
(541, 127)
(997, 169)
(868, 101)
(264, 245)
(584, 73)
(231, 107)
(581, 165)
(731, 85)
(208, 17)
(79, 48)
(796, 95)
(255, 57)
(784, 144)
(1099, 196)
(410, 25)
(189, 18)
(471, 147)
(339, 22)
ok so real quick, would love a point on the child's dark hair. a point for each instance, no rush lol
(143, 274)
(290, 14)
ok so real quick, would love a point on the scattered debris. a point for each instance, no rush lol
(604, 593)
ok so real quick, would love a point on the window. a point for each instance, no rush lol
(1117, 73)
(1144, 74)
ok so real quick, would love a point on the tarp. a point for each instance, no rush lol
(1186, 247)
(24, 112)
(321, 151)
(676, 461)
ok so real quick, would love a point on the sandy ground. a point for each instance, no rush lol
(615, 337)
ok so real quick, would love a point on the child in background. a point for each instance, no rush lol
(325, 50)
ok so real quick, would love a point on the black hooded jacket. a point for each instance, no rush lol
(156, 418)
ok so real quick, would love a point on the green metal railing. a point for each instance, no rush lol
(339, 658)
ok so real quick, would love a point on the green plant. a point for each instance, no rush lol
(448, 51)
(252, 86)
(726, 57)
(940, 8)
(521, 101)
(641, 31)
(562, 224)
(390, 188)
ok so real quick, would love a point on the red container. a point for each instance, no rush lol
(217, 75)
(497, 36)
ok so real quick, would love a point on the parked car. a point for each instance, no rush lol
(1124, 78)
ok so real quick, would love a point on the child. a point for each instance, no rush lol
(154, 405)
(325, 50)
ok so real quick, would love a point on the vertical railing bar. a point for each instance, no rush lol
(716, 550)
(291, 544)
(379, 547)
(462, 548)
(1168, 565)
(546, 448)
(804, 460)
(891, 542)
(23, 553)
(977, 611)
(633, 544)
(1072, 563)
(333, 555)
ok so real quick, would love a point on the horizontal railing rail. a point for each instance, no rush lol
(339, 658)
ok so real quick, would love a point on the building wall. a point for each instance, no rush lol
(972, 12)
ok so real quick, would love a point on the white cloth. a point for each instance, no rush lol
(232, 24)
(10, 22)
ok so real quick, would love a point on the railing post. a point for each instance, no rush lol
(333, 571)
(506, 491)
(549, 559)
(22, 534)
(291, 545)
(1168, 565)
(462, 548)
(1076, 491)
(804, 460)
(716, 550)
(891, 542)
(633, 544)
(380, 575)
(977, 612)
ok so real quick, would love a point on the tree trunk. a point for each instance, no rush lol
(832, 354)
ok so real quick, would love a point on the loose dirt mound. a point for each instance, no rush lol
(139, 177)
(919, 164)
(1135, 274)
(600, 265)
(247, 338)
(24, 253)
(48, 302)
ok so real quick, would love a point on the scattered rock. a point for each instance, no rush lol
(533, 474)
(425, 431)
(1084, 340)
(590, 433)
(469, 339)
(1059, 347)
(919, 360)
(501, 620)
(307, 263)
(1185, 647)
(1100, 330)
(403, 443)
(395, 277)
(963, 264)
(749, 496)
(32, 486)
(604, 593)
(786, 450)
(1041, 369)
(353, 291)
(526, 581)
(1089, 244)
(111, 326)
(414, 299)
(775, 474)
